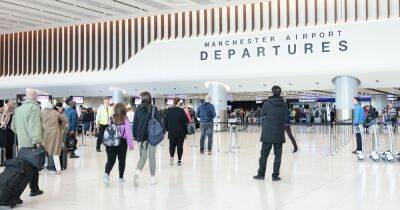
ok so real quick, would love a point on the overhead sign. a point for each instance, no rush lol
(262, 45)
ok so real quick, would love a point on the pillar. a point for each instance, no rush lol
(117, 95)
(159, 103)
(195, 103)
(379, 102)
(346, 88)
(217, 91)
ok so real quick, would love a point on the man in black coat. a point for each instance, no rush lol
(274, 115)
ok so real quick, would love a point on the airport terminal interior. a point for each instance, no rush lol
(308, 88)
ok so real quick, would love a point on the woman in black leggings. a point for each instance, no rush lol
(175, 122)
(119, 118)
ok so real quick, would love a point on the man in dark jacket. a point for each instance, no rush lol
(206, 113)
(274, 114)
(72, 115)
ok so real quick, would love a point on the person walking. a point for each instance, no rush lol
(27, 124)
(53, 124)
(206, 113)
(289, 133)
(359, 119)
(130, 115)
(175, 123)
(120, 119)
(140, 134)
(103, 115)
(275, 113)
(72, 117)
(7, 135)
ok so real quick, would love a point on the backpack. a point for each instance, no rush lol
(155, 131)
(372, 115)
(111, 137)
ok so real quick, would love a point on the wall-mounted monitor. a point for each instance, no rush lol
(78, 99)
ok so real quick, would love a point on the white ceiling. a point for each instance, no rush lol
(22, 15)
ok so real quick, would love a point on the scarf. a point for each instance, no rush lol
(5, 117)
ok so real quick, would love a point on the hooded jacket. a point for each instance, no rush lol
(27, 124)
(275, 114)
(140, 122)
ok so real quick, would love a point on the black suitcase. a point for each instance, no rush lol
(2, 156)
(64, 158)
(13, 181)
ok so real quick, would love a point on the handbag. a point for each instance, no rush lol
(35, 156)
(190, 129)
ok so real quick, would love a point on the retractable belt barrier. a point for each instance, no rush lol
(339, 134)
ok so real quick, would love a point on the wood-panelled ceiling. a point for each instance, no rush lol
(20, 15)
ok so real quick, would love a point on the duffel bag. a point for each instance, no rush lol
(35, 156)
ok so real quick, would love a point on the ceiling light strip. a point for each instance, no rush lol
(129, 5)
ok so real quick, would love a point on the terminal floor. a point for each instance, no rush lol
(310, 180)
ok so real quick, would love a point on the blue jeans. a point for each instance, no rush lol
(206, 129)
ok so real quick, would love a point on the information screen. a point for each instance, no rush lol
(78, 99)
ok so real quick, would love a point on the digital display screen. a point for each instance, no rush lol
(137, 101)
(43, 98)
(170, 102)
(78, 99)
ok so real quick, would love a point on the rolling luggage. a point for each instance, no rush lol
(64, 158)
(2, 151)
(2, 156)
(13, 181)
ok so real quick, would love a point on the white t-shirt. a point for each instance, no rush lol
(130, 116)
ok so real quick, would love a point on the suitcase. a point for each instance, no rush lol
(64, 158)
(2, 156)
(2, 151)
(13, 181)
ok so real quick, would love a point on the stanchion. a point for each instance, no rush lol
(82, 135)
(230, 138)
(330, 142)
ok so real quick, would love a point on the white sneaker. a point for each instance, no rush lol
(106, 180)
(121, 180)
(171, 161)
(153, 180)
(136, 180)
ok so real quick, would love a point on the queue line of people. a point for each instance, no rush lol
(48, 127)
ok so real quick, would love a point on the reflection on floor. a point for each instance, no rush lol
(310, 180)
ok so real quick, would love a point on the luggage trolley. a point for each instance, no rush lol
(374, 132)
(360, 129)
(388, 156)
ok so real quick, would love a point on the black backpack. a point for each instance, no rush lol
(372, 114)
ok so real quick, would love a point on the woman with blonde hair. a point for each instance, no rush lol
(53, 123)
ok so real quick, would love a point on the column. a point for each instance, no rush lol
(117, 95)
(195, 103)
(379, 102)
(346, 88)
(160, 103)
(217, 91)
